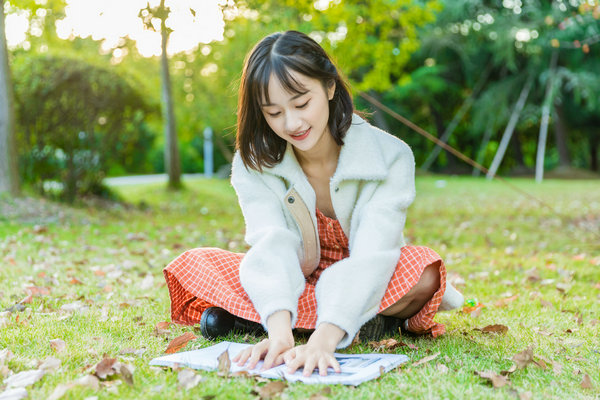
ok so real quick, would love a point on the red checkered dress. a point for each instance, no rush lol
(206, 277)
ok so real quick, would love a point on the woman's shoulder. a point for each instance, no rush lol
(388, 144)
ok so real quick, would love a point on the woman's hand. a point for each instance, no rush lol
(271, 350)
(310, 357)
(317, 353)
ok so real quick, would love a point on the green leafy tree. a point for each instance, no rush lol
(74, 118)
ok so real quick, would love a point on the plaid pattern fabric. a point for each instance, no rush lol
(205, 277)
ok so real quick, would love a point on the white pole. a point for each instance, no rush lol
(512, 123)
(541, 149)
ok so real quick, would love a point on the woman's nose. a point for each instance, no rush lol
(293, 123)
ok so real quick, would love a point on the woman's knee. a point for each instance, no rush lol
(429, 282)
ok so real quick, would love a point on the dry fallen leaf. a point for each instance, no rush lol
(38, 291)
(57, 345)
(14, 394)
(386, 344)
(324, 394)
(50, 364)
(441, 368)
(126, 371)
(586, 382)
(59, 391)
(188, 378)
(523, 358)
(224, 363)
(496, 380)
(90, 381)
(179, 342)
(162, 329)
(106, 368)
(270, 390)
(525, 395)
(24, 378)
(426, 359)
(546, 304)
(556, 368)
(504, 302)
(496, 328)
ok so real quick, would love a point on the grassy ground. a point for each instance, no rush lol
(102, 267)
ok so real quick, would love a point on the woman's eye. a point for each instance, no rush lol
(302, 105)
(273, 114)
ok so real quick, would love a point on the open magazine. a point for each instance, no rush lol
(356, 368)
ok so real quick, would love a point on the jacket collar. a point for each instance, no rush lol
(361, 157)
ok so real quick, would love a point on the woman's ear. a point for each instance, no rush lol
(331, 89)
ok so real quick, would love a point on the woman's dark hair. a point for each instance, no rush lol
(278, 54)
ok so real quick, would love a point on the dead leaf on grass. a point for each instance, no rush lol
(324, 394)
(162, 329)
(126, 371)
(58, 345)
(586, 382)
(107, 367)
(523, 358)
(90, 381)
(441, 368)
(556, 368)
(426, 359)
(24, 378)
(38, 291)
(50, 364)
(496, 328)
(179, 342)
(14, 394)
(496, 380)
(526, 395)
(188, 378)
(59, 391)
(506, 301)
(224, 363)
(75, 281)
(270, 390)
(546, 304)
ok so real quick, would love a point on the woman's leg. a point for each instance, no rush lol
(418, 295)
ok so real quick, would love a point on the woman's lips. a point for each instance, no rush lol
(301, 136)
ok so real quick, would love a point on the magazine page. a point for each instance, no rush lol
(356, 368)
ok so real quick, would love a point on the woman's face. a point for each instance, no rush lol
(299, 118)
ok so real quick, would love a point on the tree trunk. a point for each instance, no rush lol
(548, 99)
(439, 125)
(378, 117)
(172, 163)
(560, 135)
(594, 144)
(466, 105)
(9, 177)
(512, 123)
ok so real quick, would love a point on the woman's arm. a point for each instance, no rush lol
(270, 271)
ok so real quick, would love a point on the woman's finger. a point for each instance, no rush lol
(323, 366)
(335, 364)
(295, 364)
(242, 357)
(258, 352)
(309, 366)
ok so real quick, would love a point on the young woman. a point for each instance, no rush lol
(324, 196)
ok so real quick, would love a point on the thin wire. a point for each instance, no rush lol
(460, 155)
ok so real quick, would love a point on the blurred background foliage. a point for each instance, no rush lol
(84, 112)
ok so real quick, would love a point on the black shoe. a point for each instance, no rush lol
(380, 326)
(216, 322)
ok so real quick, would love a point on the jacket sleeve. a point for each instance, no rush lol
(270, 271)
(350, 291)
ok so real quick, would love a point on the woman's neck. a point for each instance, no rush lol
(323, 156)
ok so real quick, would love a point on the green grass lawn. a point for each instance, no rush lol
(102, 267)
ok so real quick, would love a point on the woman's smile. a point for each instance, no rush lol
(301, 135)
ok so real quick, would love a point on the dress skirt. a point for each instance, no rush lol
(206, 277)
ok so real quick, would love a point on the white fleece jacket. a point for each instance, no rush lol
(371, 189)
